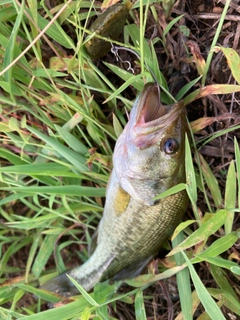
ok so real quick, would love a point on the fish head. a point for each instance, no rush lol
(149, 155)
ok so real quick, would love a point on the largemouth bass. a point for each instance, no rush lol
(149, 158)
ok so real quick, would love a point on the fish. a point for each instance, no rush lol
(148, 159)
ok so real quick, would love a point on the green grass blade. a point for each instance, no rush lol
(191, 177)
(179, 187)
(56, 32)
(220, 245)
(211, 182)
(86, 295)
(233, 60)
(230, 197)
(73, 190)
(171, 24)
(207, 228)
(44, 253)
(230, 265)
(72, 141)
(237, 155)
(226, 299)
(65, 312)
(140, 312)
(186, 88)
(73, 157)
(220, 276)
(214, 42)
(9, 53)
(183, 282)
(207, 301)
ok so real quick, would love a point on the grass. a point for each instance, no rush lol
(57, 141)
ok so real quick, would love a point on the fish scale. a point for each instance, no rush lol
(149, 158)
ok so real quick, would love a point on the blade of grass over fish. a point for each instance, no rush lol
(133, 31)
(140, 312)
(183, 281)
(230, 196)
(207, 301)
(215, 39)
(87, 296)
(206, 229)
(175, 189)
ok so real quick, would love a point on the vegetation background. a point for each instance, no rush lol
(61, 113)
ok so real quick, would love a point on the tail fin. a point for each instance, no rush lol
(61, 285)
(87, 275)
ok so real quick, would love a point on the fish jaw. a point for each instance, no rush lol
(142, 167)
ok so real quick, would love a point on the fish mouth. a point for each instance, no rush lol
(151, 117)
(150, 107)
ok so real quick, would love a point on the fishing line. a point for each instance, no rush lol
(115, 50)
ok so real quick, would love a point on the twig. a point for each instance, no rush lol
(215, 16)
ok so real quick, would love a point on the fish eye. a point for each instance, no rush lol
(170, 146)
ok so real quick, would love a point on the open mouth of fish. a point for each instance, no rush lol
(151, 117)
(150, 108)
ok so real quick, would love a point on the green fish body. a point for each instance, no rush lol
(149, 158)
